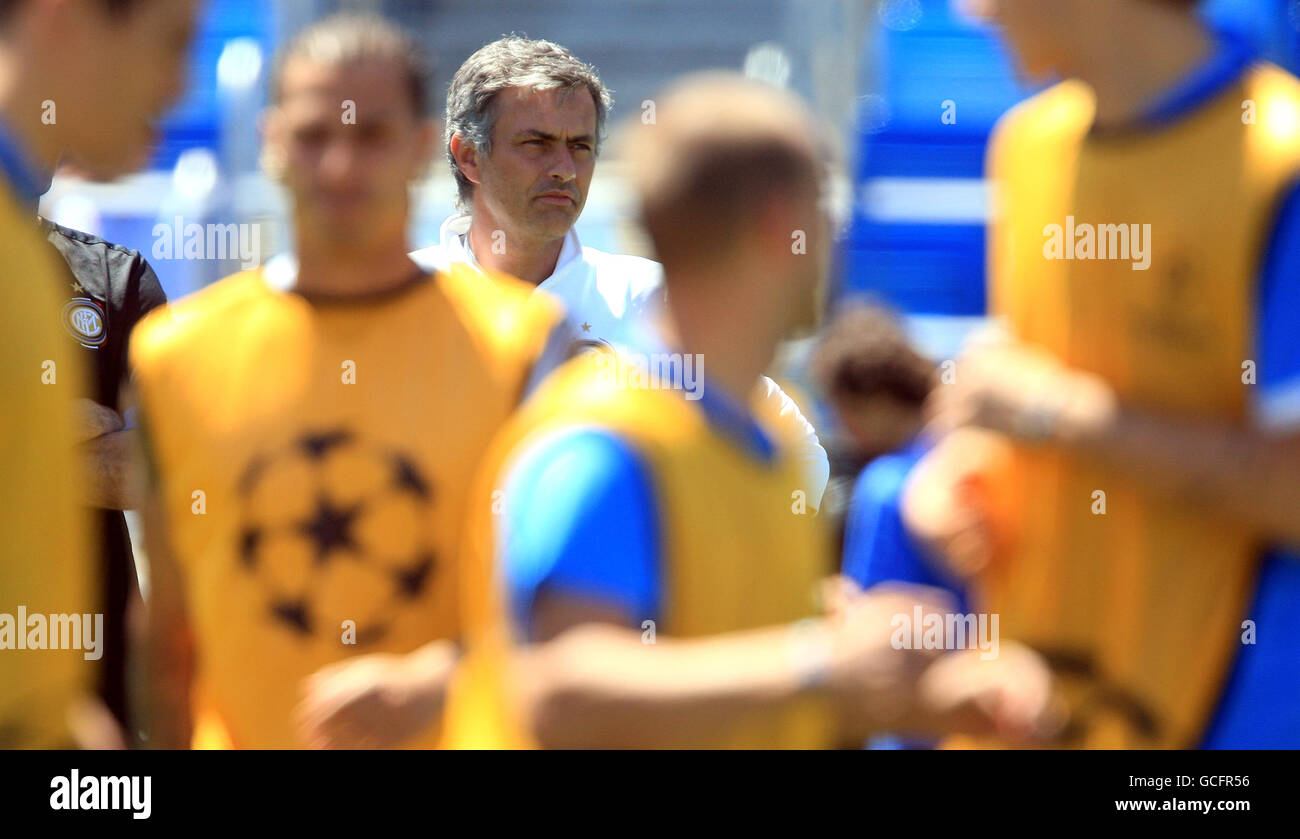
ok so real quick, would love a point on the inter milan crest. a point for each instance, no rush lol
(581, 345)
(336, 528)
(84, 320)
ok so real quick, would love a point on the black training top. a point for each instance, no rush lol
(107, 290)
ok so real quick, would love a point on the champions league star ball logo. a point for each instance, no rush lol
(336, 528)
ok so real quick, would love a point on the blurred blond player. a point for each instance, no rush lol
(1143, 261)
(87, 78)
(313, 427)
(631, 510)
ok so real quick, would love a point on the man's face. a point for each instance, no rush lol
(347, 142)
(811, 269)
(535, 179)
(122, 72)
(791, 239)
(878, 423)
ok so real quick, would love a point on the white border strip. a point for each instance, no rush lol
(926, 200)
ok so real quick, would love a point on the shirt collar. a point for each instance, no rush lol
(734, 420)
(454, 236)
(1229, 57)
(27, 181)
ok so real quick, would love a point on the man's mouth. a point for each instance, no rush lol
(343, 202)
(558, 198)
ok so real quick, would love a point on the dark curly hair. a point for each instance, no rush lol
(864, 352)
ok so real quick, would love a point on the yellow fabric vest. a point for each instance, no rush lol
(47, 563)
(736, 553)
(314, 461)
(1141, 607)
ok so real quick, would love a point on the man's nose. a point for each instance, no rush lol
(563, 168)
(340, 158)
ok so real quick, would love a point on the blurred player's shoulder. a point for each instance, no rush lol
(499, 309)
(116, 274)
(490, 295)
(594, 389)
(57, 233)
(1267, 77)
(1275, 95)
(199, 317)
(1061, 111)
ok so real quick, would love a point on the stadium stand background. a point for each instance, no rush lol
(878, 71)
(916, 232)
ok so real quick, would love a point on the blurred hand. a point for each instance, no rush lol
(947, 503)
(93, 726)
(838, 593)
(94, 420)
(872, 684)
(1010, 697)
(879, 687)
(375, 701)
(1015, 390)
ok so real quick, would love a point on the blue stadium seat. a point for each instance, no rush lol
(196, 121)
(917, 235)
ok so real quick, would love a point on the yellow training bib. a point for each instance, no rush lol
(314, 461)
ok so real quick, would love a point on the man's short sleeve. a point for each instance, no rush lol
(782, 414)
(581, 520)
(141, 295)
(877, 546)
(149, 292)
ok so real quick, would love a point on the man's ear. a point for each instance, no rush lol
(272, 158)
(775, 224)
(466, 157)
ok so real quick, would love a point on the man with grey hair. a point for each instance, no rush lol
(524, 123)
